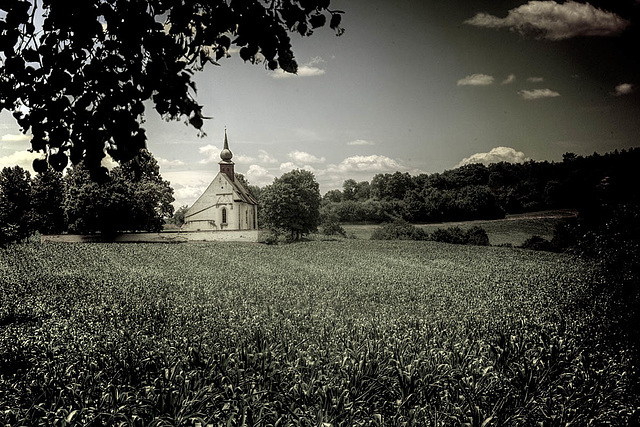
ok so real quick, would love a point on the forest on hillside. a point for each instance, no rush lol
(476, 191)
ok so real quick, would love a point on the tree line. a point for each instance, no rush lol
(132, 197)
(477, 191)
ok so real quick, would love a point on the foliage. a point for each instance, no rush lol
(403, 333)
(77, 75)
(398, 230)
(607, 231)
(15, 205)
(475, 192)
(151, 195)
(330, 226)
(178, 215)
(292, 203)
(475, 235)
(455, 235)
(537, 243)
(47, 202)
(133, 198)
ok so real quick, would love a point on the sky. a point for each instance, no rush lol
(418, 86)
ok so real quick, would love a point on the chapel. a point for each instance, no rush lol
(226, 204)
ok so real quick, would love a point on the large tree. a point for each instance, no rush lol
(292, 203)
(133, 198)
(76, 74)
(15, 205)
(47, 202)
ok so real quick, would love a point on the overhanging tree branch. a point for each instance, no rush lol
(76, 75)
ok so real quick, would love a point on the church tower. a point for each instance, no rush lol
(226, 165)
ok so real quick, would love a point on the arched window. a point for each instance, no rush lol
(224, 215)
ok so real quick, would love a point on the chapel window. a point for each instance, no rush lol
(224, 215)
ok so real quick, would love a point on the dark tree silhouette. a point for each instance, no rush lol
(76, 74)
(15, 205)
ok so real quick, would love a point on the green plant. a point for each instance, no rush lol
(398, 230)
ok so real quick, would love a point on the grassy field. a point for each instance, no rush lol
(346, 332)
(513, 230)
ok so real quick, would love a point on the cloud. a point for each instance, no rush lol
(265, 157)
(553, 21)
(211, 154)
(169, 163)
(301, 157)
(495, 155)
(361, 142)
(289, 166)
(510, 79)
(305, 70)
(188, 185)
(529, 95)
(476, 80)
(624, 89)
(374, 163)
(258, 175)
(24, 159)
(535, 79)
(10, 137)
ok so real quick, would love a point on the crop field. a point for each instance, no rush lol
(346, 332)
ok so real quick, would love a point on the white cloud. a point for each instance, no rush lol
(510, 79)
(535, 79)
(624, 89)
(495, 155)
(169, 163)
(289, 166)
(476, 80)
(188, 185)
(258, 175)
(361, 142)
(553, 21)
(24, 159)
(211, 154)
(537, 94)
(10, 137)
(301, 157)
(264, 157)
(374, 163)
(305, 70)
(242, 159)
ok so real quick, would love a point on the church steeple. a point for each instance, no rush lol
(226, 165)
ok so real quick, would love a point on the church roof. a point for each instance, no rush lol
(245, 196)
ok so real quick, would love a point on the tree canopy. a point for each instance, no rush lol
(292, 203)
(15, 200)
(135, 198)
(77, 74)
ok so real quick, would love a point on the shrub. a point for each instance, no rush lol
(537, 243)
(475, 235)
(271, 238)
(332, 228)
(398, 230)
(453, 235)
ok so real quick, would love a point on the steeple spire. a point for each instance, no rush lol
(226, 165)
